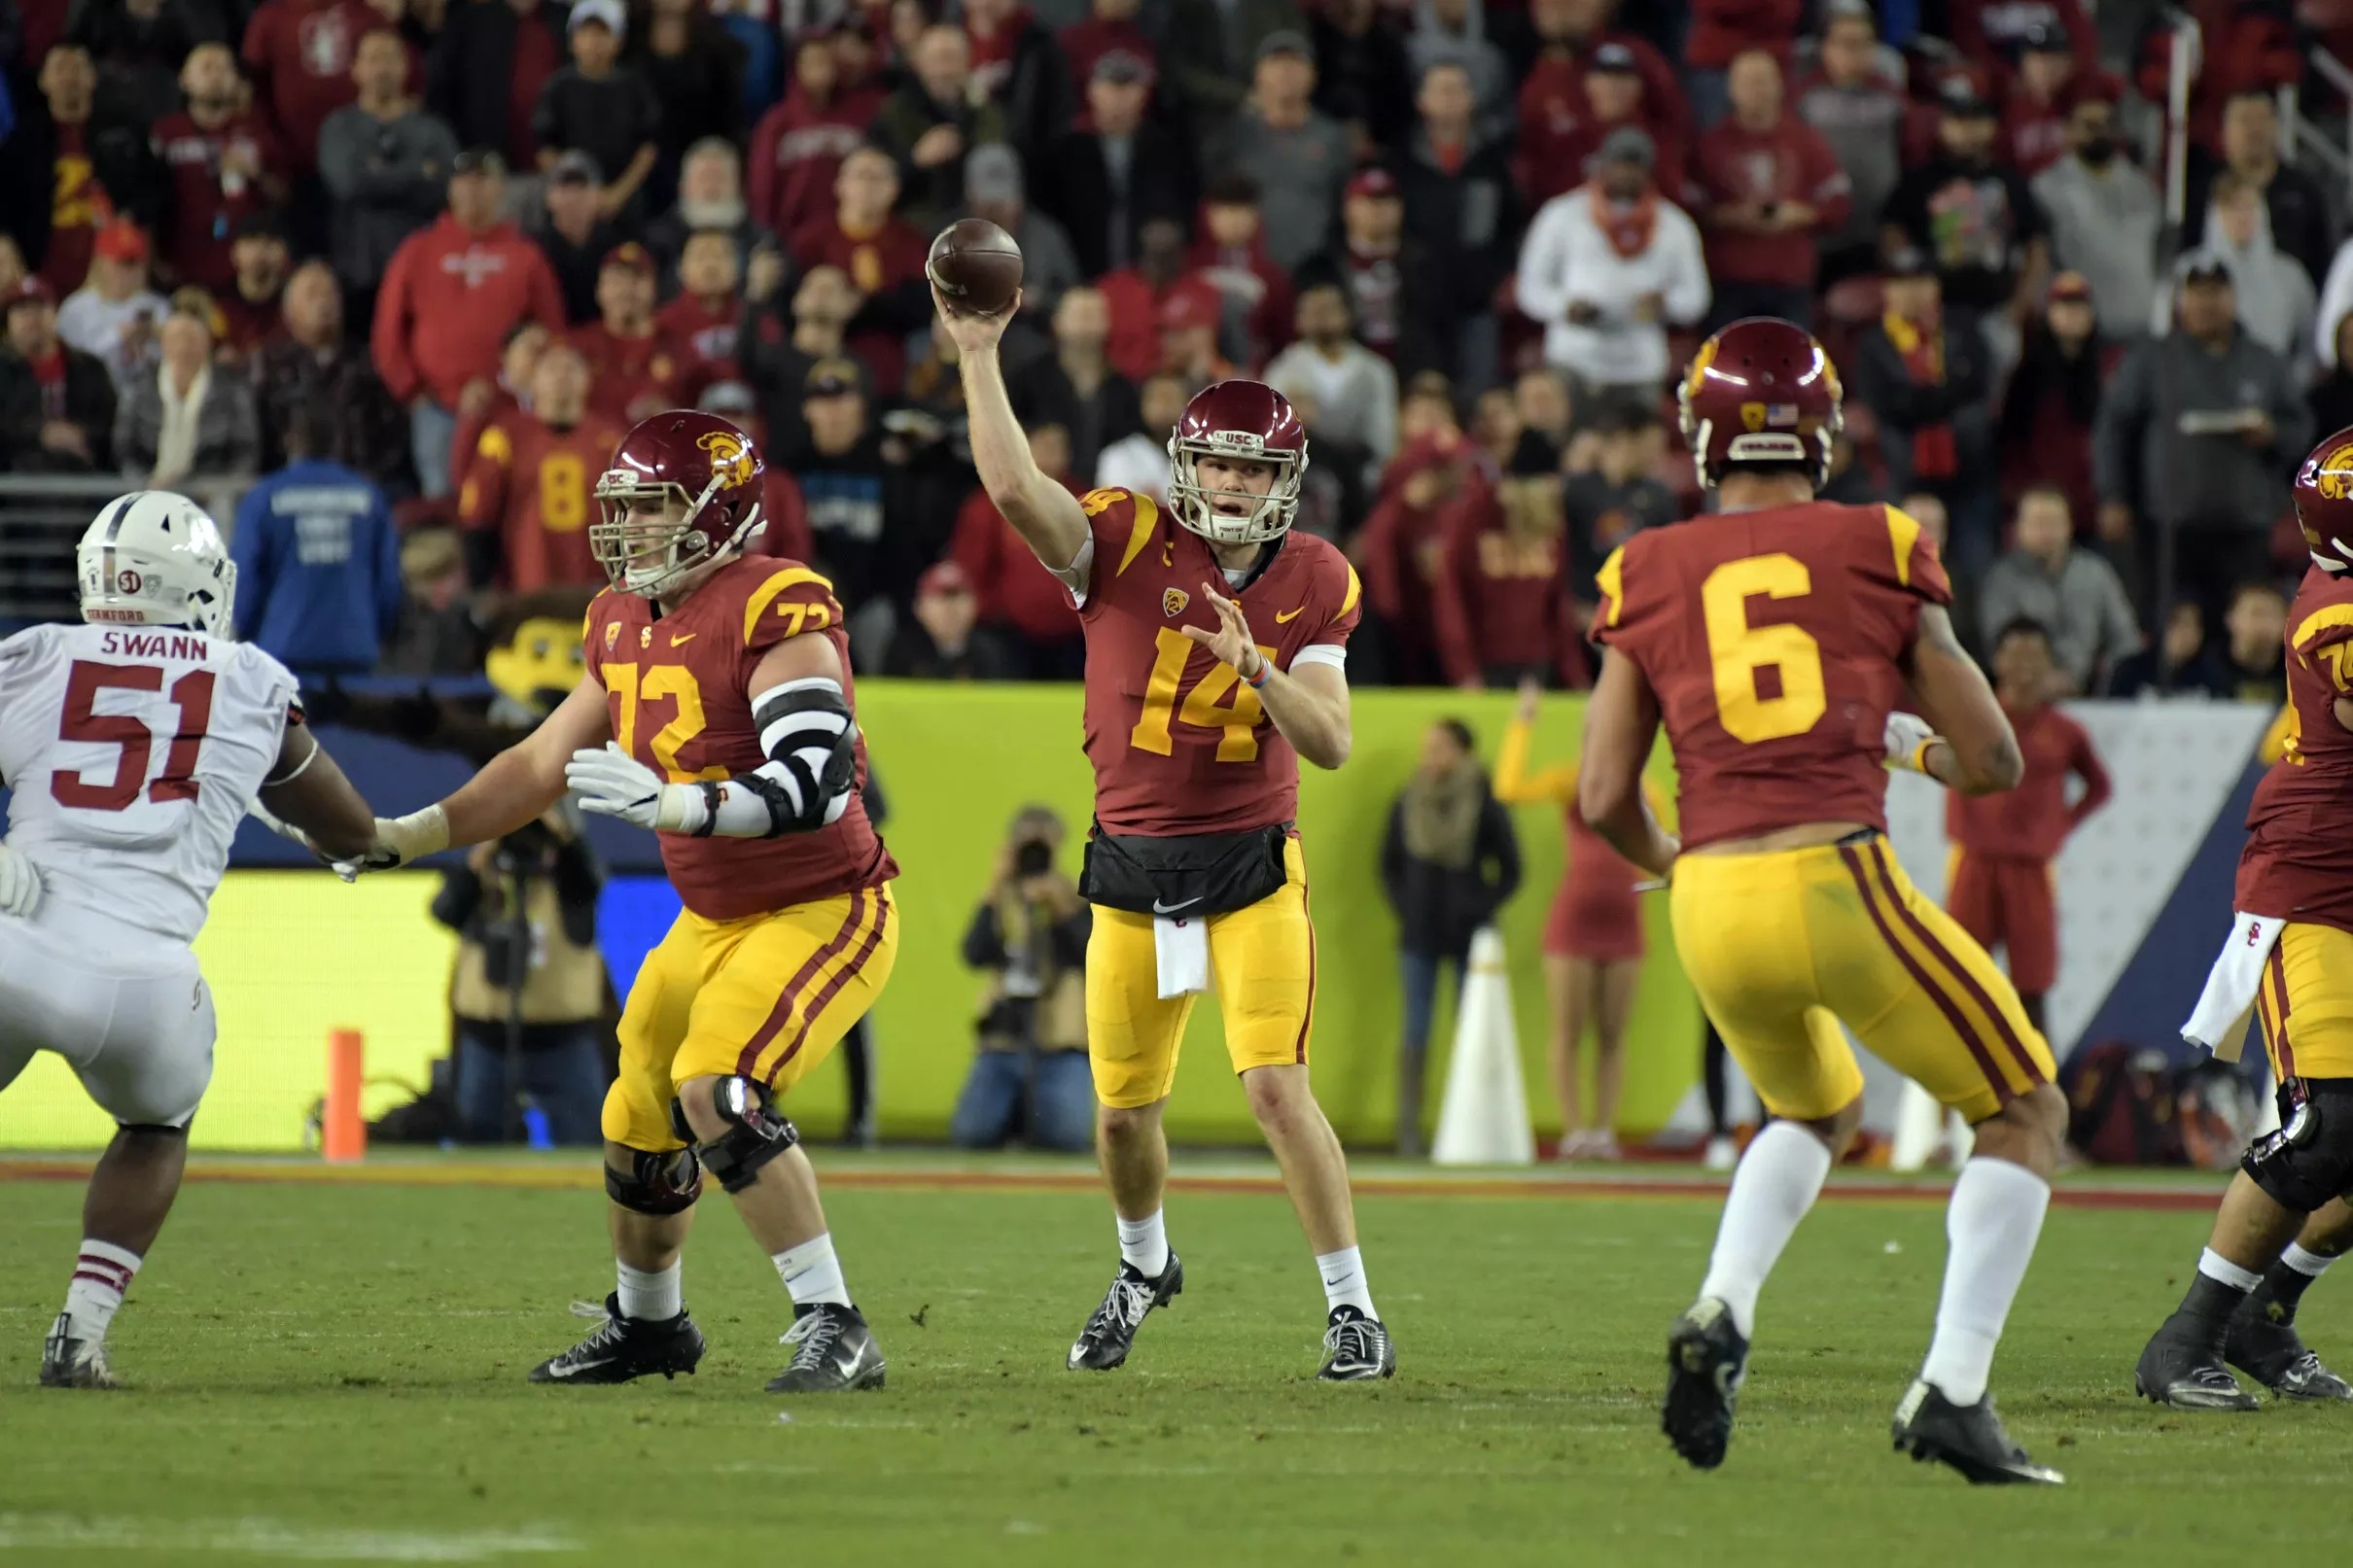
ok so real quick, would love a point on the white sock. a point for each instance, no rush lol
(1774, 1184)
(1991, 1227)
(2307, 1264)
(2214, 1265)
(1343, 1275)
(1143, 1244)
(811, 1272)
(653, 1295)
(102, 1275)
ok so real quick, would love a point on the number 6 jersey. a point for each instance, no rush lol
(1772, 639)
(132, 753)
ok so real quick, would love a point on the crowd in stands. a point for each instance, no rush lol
(421, 262)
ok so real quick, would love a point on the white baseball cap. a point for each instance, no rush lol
(608, 12)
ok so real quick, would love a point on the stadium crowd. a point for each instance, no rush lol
(414, 265)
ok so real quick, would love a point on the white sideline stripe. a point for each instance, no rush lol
(67, 1532)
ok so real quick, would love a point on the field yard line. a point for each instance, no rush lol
(860, 1177)
(269, 1538)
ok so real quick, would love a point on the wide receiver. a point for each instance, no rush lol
(1195, 728)
(1776, 640)
(717, 710)
(2289, 958)
(134, 744)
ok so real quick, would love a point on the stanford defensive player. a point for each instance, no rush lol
(134, 744)
(718, 709)
(1195, 727)
(2289, 958)
(1776, 641)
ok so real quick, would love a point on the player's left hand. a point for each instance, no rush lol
(1231, 641)
(611, 783)
(20, 883)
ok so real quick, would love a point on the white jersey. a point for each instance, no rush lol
(133, 752)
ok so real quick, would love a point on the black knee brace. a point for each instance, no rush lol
(157, 1129)
(2310, 1160)
(756, 1135)
(656, 1183)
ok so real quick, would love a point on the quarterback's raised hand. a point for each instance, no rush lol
(1231, 641)
(970, 331)
(611, 783)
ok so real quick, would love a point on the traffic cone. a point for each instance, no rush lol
(1484, 1119)
(343, 1132)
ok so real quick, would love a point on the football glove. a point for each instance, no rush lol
(1908, 738)
(612, 783)
(398, 841)
(20, 883)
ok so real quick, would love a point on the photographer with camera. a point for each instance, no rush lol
(1030, 1079)
(529, 992)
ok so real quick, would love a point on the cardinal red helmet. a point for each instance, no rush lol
(683, 490)
(2324, 501)
(1761, 391)
(1237, 420)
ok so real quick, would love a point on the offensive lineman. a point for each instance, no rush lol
(134, 743)
(1195, 727)
(718, 709)
(1776, 641)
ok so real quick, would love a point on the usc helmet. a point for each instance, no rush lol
(2324, 501)
(1237, 419)
(1761, 391)
(152, 558)
(702, 462)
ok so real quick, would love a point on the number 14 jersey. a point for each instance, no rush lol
(1772, 639)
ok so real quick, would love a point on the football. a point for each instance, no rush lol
(976, 266)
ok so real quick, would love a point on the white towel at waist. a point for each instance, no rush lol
(1181, 948)
(2219, 1021)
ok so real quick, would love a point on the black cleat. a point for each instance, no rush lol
(1105, 1343)
(70, 1363)
(1357, 1348)
(2265, 1346)
(623, 1348)
(1967, 1437)
(1706, 1362)
(2177, 1370)
(834, 1352)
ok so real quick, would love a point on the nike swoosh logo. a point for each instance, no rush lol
(572, 1368)
(1159, 908)
(1284, 619)
(675, 638)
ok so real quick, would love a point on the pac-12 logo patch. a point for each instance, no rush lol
(1174, 600)
(613, 634)
(730, 458)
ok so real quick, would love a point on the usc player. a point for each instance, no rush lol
(718, 709)
(1776, 640)
(1217, 647)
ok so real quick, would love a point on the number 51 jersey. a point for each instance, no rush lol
(1772, 639)
(133, 752)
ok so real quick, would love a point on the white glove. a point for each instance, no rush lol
(398, 841)
(1907, 739)
(612, 783)
(20, 883)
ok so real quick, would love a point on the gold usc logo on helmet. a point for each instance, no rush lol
(2333, 475)
(730, 458)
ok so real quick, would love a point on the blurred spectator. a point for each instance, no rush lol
(778, 361)
(1206, 50)
(489, 61)
(1230, 252)
(929, 123)
(710, 199)
(2332, 397)
(2177, 664)
(604, 108)
(2300, 213)
(1861, 113)
(2255, 656)
(1103, 180)
(190, 417)
(2053, 399)
(1449, 862)
(1496, 427)
(1298, 157)
(527, 496)
(635, 369)
(2195, 437)
(1363, 77)
(1609, 503)
(450, 296)
(798, 146)
(221, 165)
(1500, 601)
(2074, 595)
(2035, 109)
(2275, 304)
(247, 311)
(1769, 189)
(1927, 509)
(1976, 221)
(57, 403)
(297, 55)
(882, 255)
(2105, 214)
(385, 162)
(318, 559)
(1029, 1079)
(52, 194)
(1016, 66)
(1993, 33)
(696, 74)
(857, 503)
(1076, 384)
(1454, 32)
(1138, 295)
(1332, 491)
(1394, 286)
(139, 49)
(1590, 80)
(1721, 32)
(993, 189)
(114, 315)
(1922, 371)
(1189, 327)
(1111, 26)
(570, 235)
(943, 640)
(1023, 602)
(437, 634)
(1402, 545)
(1354, 388)
(1540, 397)
(313, 362)
(703, 321)
(1463, 212)
(1140, 461)
(1606, 270)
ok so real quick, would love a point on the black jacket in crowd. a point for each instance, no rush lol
(1467, 222)
(470, 74)
(89, 403)
(1439, 909)
(1074, 188)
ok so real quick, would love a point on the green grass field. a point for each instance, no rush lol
(335, 1373)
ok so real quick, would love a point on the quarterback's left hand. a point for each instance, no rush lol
(1907, 741)
(1231, 641)
(20, 883)
(611, 783)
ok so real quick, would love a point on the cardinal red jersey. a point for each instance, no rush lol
(678, 687)
(1771, 639)
(537, 485)
(1179, 744)
(206, 206)
(2033, 822)
(706, 326)
(634, 378)
(2299, 860)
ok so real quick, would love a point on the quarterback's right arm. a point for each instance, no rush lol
(1974, 750)
(514, 788)
(1042, 512)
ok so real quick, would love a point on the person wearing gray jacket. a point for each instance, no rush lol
(2195, 439)
(385, 162)
(2105, 213)
(2074, 595)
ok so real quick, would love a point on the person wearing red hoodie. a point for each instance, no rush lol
(451, 294)
(1558, 125)
(1500, 602)
(1768, 189)
(518, 359)
(706, 313)
(635, 368)
(882, 255)
(798, 146)
(1397, 553)
(1721, 32)
(1019, 598)
(223, 163)
(298, 54)
(1231, 254)
(2041, 93)
(1138, 295)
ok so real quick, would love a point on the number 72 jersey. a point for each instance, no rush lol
(1772, 639)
